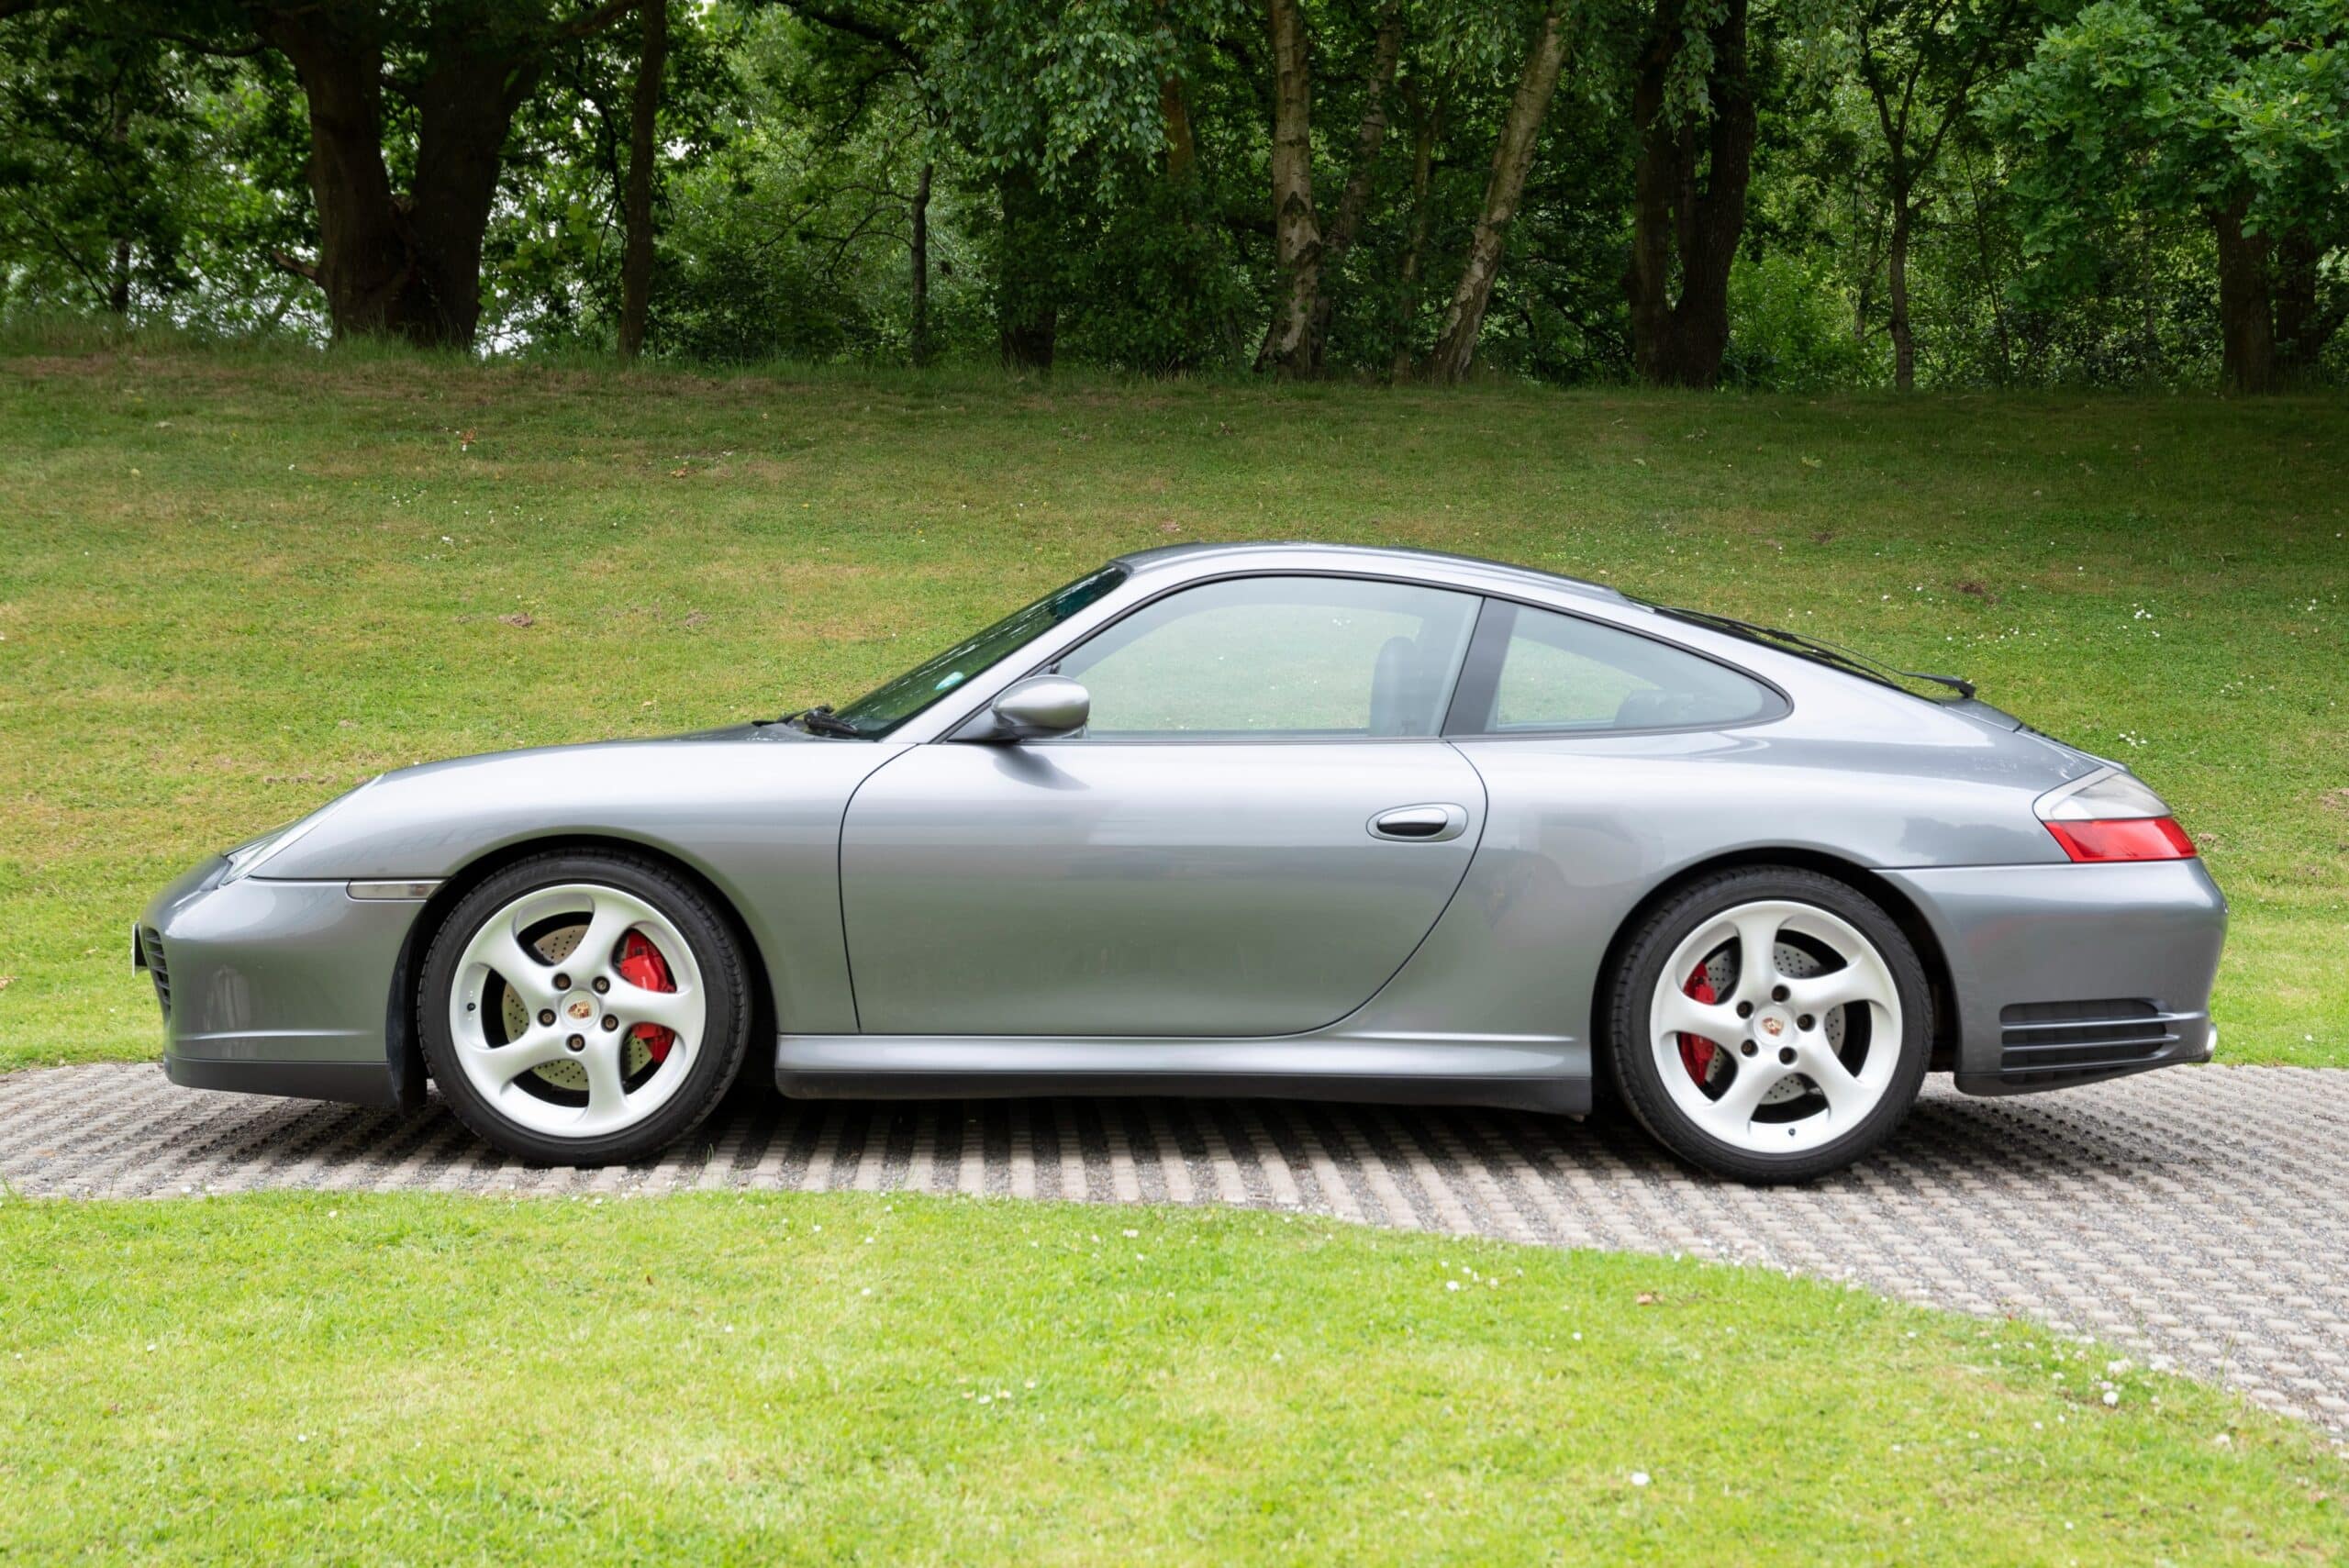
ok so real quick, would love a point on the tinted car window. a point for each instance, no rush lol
(1306, 656)
(1559, 671)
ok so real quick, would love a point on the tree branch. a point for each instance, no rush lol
(858, 27)
(286, 261)
(596, 21)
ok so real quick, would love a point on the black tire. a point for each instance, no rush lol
(725, 982)
(1632, 989)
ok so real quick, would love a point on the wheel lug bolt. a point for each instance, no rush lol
(1749, 1048)
(1786, 1054)
(602, 986)
(576, 1042)
(1805, 1021)
(546, 1015)
(1778, 993)
(561, 981)
(610, 1023)
(1745, 1009)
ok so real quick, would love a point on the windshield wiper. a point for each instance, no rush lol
(1859, 663)
(818, 721)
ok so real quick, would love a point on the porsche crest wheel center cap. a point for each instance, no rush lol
(1775, 1027)
(579, 1007)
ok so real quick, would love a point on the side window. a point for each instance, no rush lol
(1306, 656)
(1561, 672)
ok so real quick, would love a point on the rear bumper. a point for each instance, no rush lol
(2067, 975)
(275, 987)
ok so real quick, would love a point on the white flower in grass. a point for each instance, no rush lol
(1638, 1477)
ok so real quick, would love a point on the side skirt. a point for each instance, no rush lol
(1531, 1074)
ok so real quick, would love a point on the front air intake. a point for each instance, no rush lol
(150, 948)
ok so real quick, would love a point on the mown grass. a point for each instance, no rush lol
(738, 1379)
(234, 582)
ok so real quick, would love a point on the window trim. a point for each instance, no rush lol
(1477, 688)
(970, 726)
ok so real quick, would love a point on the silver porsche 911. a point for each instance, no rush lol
(1256, 819)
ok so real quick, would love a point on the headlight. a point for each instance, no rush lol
(249, 855)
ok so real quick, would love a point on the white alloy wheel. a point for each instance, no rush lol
(562, 1023)
(1775, 1026)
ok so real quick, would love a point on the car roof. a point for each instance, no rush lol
(1438, 565)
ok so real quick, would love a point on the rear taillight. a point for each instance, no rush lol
(2108, 815)
(2124, 839)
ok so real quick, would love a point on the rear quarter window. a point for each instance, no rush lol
(1559, 672)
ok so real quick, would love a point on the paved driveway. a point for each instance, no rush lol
(2201, 1216)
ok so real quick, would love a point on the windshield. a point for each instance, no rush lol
(886, 706)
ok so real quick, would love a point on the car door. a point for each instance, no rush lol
(1254, 830)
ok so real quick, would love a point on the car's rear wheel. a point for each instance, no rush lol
(1770, 1024)
(584, 1008)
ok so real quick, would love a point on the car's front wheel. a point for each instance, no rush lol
(1770, 1024)
(584, 1008)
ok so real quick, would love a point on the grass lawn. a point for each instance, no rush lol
(235, 584)
(720, 1378)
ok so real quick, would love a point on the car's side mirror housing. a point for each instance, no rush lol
(1039, 707)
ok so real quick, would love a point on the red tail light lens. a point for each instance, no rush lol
(2124, 839)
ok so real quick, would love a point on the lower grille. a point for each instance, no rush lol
(150, 948)
(2048, 1040)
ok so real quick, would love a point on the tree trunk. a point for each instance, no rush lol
(636, 259)
(2305, 321)
(920, 248)
(2246, 310)
(119, 284)
(365, 259)
(465, 105)
(1423, 215)
(1297, 232)
(1027, 287)
(1463, 322)
(119, 280)
(1904, 343)
(1175, 119)
(1369, 137)
(1688, 206)
(403, 265)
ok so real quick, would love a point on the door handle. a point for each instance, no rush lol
(1421, 824)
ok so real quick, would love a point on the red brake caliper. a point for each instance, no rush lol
(642, 966)
(1695, 1051)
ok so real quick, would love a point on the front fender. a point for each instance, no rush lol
(755, 815)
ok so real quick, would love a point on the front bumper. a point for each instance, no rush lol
(275, 987)
(2067, 975)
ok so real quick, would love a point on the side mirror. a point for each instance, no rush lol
(1040, 707)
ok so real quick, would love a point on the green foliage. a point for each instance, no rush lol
(1789, 331)
(143, 182)
(1154, 290)
(2061, 237)
(2183, 111)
